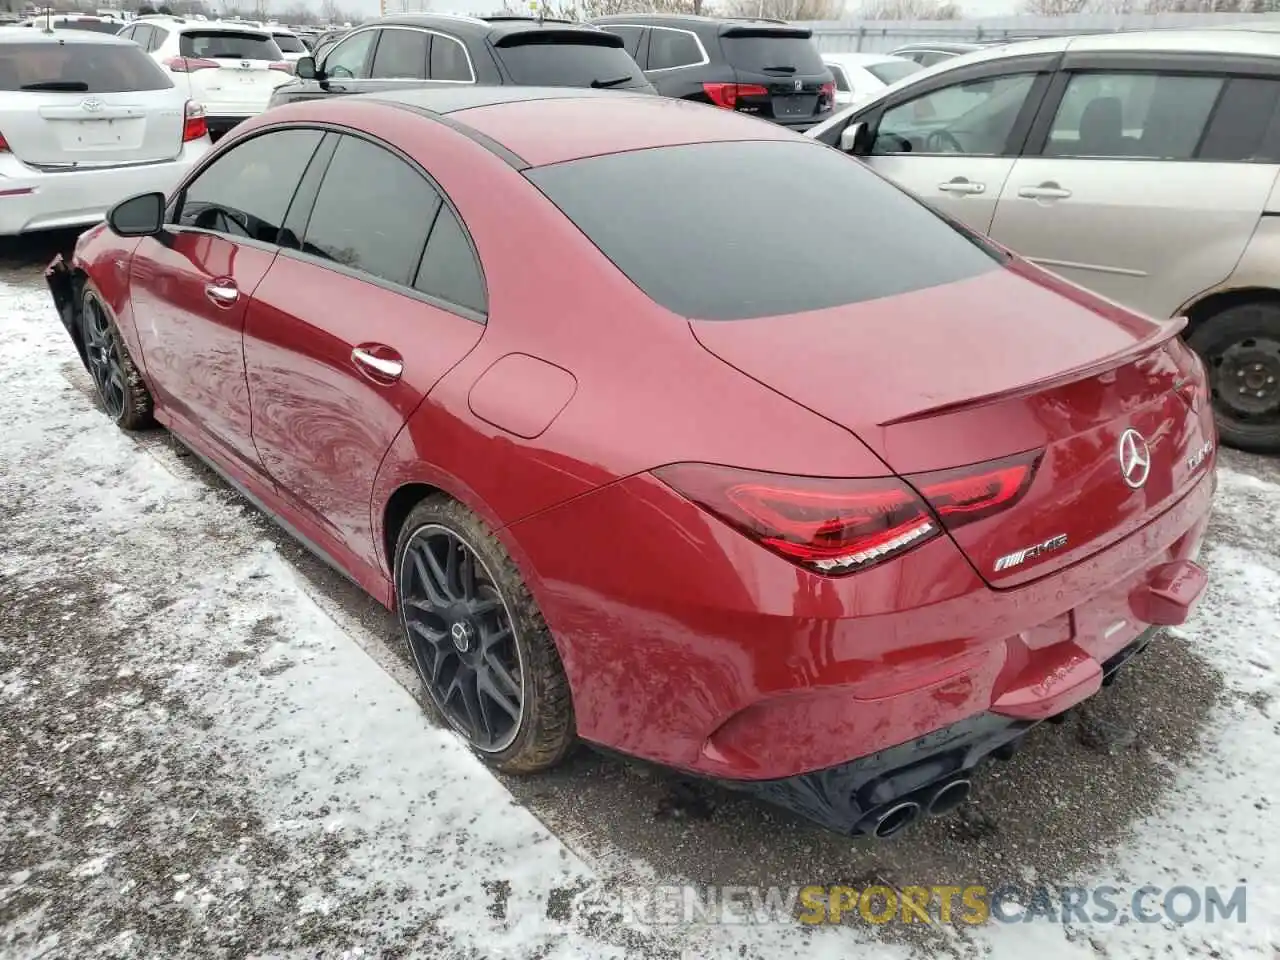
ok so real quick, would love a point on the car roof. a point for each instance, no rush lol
(183, 25)
(496, 26)
(543, 125)
(855, 59)
(693, 20)
(943, 46)
(36, 35)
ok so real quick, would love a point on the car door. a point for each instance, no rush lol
(1143, 181)
(952, 139)
(351, 328)
(191, 285)
(346, 64)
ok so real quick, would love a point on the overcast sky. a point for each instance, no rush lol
(369, 8)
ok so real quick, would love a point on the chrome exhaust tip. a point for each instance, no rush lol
(948, 797)
(896, 819)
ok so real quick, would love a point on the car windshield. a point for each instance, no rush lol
(820, 229)
(288, 43)
(564, 63)
(770, 51)
(227, 45)
(86, 67)
(891, 71)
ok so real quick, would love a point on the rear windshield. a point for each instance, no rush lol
(564, 64)
(96, 26)
(758, 228)
(78, 68)
(772, 52)
(227, 45)
(288, 43)
(892, 71)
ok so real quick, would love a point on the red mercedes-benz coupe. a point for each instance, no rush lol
(667, 429)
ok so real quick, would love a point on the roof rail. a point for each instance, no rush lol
(525, 18)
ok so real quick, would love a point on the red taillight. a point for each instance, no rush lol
(828, 93)
(283, 65)
(971, 493)
(190, 64)
(727, 94)
(195, 127)
(4, 144)
(830, 526)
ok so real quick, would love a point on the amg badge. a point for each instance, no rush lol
(1030, 553)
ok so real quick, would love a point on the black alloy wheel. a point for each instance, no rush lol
(103, 356)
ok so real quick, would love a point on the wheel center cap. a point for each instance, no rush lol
(463, 634)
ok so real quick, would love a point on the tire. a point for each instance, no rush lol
(117, 380)
(1241, 349)
(449, 662)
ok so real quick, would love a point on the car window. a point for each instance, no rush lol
(672, 48)
(380, 231)
(584, 62)
(837, 71)
(756, 50)
(227, 45)
(974, 118)
(891, 71)
(142, 35)
(288, 43)
(449, 60)
(158, 37)
(630, 37)
(807, 201)
(39, 68)
(1238, 130)
(127, 33)
(346, 59)
(449, 270)
(1148, 115)
(928, 58)
(246, 191)
(401, 55)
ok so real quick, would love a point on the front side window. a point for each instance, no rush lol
(974, 118)
(346, 61)
(1143, 115)
(401, 55)
(669, 49)
(449, 60)
(246, 191)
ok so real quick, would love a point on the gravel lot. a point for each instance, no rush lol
(214, 748)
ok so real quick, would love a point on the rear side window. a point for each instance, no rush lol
(772, 52)
(401, 55)
(449, 60)
(288, 43)
(1238, 131)
(449, 270)
(820, 230)
(669, 49)
(79, 68)
(227, 45)
(544, 60)
(630, 37)
(893, 70)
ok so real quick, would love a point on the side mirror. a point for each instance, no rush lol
(853, 138)
(305, 68)
(140, 216)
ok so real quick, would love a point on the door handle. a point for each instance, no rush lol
(222, 292)
(962, 186)
(380, 368)
(1045, 191)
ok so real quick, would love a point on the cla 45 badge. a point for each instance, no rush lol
(1198, 455)
(1030, 553)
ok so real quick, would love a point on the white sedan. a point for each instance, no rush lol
(860, 75)
(86, 120)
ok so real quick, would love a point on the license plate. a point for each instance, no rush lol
(93, 133)
(800, 105)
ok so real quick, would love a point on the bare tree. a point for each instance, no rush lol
(787, 9)
(586, 9)
(1056, 8)
(329, 10)
(909, 10)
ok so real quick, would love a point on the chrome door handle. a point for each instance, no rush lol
(1046, 191)
(381, 366)
(223, 294)
(962, 186)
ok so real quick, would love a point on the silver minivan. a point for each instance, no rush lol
(1141, 165)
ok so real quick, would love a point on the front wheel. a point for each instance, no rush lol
(119, 383)
(1241, 349)
(478, 640)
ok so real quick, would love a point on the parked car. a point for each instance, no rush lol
(432, 49)
(860, 75)
(930, 52)
(292, 47)
(766, 68)
(633, 460)
(86, 120)
(1141, 165)
(326, 40)
(74, 21)
(229, 67)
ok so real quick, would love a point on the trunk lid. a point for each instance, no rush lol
(1035, 365)
(779, 71)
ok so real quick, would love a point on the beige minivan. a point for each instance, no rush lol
(1141, 165)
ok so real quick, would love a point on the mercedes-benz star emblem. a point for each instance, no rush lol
(1135, 458)
(92, 104)
(461, 633)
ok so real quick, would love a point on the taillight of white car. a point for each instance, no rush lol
(195, 127)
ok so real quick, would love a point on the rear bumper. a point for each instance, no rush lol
(32, 199)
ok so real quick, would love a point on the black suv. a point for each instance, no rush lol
(436, 49)
(767, 68)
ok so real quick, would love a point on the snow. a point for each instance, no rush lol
(388, 823)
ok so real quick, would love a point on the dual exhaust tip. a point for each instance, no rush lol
(934, 801)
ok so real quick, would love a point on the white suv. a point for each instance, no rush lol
(229, 68)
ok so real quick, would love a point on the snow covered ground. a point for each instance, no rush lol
(202, 754)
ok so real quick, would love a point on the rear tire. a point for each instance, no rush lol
(478, 640)
(1240, 347)
(121, 389)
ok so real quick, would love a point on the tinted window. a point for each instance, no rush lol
(142, 35)
(348, 57)
(892, 71)
(560, 64)
(449, 60)
(79, 68)
(158, 37)
(630, 37)
(704, 253)
(1238, 129)
(401, 54)
(246, 191)
(288, 43)
(672, 48)
(94, 26)
(379, 231)
(227, 45)
(756, 50)
(449, 270)
(971, 118)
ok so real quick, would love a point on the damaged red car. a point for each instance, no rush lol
(667, 430)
